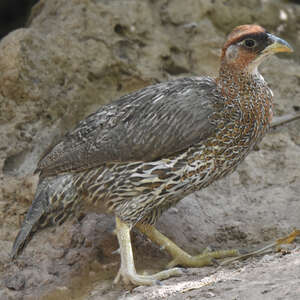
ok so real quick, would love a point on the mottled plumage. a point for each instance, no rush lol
(143, 153)
(131, 128)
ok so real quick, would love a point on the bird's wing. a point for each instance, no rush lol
(152, 123)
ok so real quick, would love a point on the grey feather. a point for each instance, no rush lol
(46, 210)
(157, 121)
(37, 210)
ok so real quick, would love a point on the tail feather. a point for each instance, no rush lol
(56, 199)
(38, 209)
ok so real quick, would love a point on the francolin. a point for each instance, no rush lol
(141, 154)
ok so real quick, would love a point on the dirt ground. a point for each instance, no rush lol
(77, 55)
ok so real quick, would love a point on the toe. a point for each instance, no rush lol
(154, 279)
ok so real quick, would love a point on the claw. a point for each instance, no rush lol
(157, 282)
(184, 270)
(215, 262)
(117, 251)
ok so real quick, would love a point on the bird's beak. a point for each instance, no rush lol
(277, 45)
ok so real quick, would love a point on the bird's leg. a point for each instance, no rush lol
(180, 257)
(127, 269)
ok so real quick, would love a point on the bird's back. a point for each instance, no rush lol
(154, 122)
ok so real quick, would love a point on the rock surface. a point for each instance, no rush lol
(77, 55)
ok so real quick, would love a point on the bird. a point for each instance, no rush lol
(142, 153)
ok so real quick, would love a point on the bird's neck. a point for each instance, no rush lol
(248, 95)
(235, 82)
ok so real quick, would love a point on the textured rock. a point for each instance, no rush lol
(76, 55)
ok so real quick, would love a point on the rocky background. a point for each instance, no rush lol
(75, 55)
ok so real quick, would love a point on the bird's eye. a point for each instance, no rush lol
(249, 43)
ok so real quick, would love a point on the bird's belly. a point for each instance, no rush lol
(143, 190)
(132, 190)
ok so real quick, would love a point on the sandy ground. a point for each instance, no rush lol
(273, 277)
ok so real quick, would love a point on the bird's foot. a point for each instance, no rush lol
(127, 271)
(180, 257)
(154, 279)
(201, 260)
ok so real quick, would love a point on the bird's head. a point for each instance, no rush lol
(248, 45)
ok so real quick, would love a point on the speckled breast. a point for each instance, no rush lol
(241, 126)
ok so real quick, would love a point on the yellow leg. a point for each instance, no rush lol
(127, 269)
(180, 257)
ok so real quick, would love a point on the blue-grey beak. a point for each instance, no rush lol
(277, 45)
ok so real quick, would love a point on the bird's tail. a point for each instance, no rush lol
(33, 217)
(54, 201)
